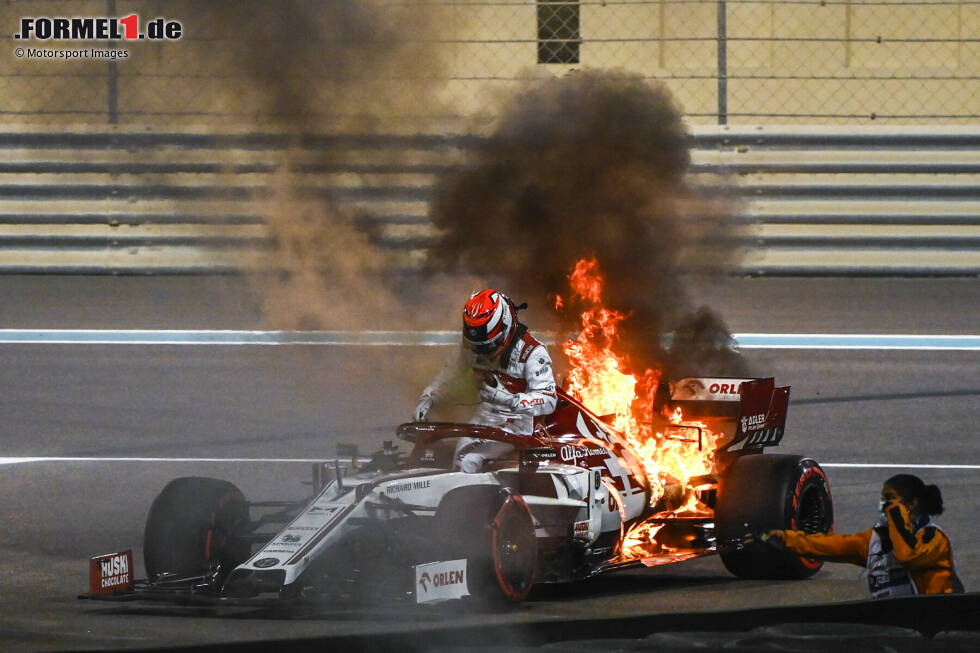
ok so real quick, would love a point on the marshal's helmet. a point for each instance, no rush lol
(489, 322)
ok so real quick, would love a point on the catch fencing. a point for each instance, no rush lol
(312, 63)
(817, 201)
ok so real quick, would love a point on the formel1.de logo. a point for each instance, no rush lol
(98, 29)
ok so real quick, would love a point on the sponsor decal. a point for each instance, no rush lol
(441, 581)
(707, 389)
(571, 454)
(265, 563)
(291, 539)
(302, 528)
(527, 403)
(395, 488)
(538, 454)
(753, 422)
(112, 568)
(688, 389)
(111, 573)
(336, 517)
(444, 578)
(724, 388)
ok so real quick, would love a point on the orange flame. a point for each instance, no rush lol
(585, 280)
(671, 449)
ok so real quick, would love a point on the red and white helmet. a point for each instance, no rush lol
(489, 322)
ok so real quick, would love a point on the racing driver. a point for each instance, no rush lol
(515, 368)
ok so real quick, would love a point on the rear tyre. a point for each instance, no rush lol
(758, 493)
(494, 530)
(193, 526)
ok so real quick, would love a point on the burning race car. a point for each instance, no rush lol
(578, 498)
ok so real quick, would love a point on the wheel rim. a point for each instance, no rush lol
(813, 516)
(514, 548)
(813, 513)
(226, 522)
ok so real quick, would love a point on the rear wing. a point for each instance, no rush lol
(757, 406)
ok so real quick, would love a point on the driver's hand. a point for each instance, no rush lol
(495, 394)
(421, 413)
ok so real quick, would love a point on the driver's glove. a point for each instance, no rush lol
(421, 413)
(498, 396)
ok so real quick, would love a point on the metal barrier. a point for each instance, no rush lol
(895, 201)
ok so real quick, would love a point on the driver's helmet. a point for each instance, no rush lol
(489, 322)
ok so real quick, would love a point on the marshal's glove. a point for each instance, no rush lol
(775, 539)
(421, 413)
(498, 396)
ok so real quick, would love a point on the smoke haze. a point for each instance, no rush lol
(300, 67)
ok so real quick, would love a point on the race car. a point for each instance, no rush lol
(572, 501)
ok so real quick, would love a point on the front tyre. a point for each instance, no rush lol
(193, 527)
(758, 493)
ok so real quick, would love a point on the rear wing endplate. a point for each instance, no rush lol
(762, 414)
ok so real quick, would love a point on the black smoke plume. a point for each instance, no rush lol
(592, 164)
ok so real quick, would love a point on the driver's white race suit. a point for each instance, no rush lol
(518, 385)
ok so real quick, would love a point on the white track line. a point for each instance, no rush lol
(93, 459)
(226, 337)
(889, 465)
(857, 341)
(447, 338)
(75, 459)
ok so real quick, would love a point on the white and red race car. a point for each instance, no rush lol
(573, 501)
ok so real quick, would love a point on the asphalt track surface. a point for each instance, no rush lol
(890, 407)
